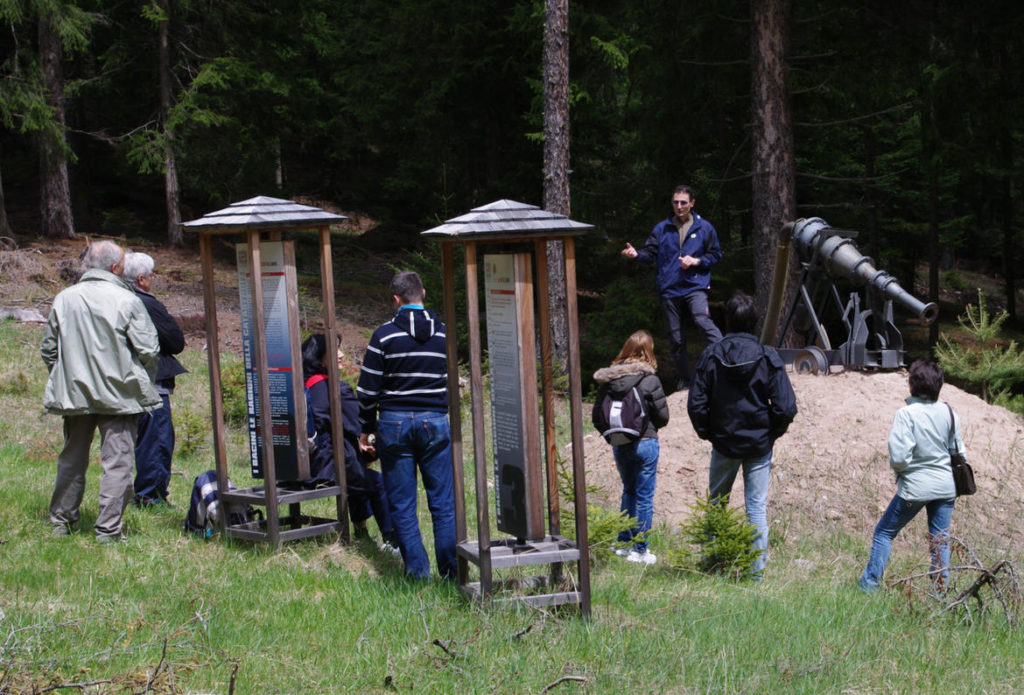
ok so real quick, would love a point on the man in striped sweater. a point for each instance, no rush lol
(403, 400)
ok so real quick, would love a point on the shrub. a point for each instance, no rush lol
(985, 362)
(14, 383)
(193, 430)
(954, 280)
(603, 525)
(232, 384)
(719, 540)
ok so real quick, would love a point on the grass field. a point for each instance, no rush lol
(169, 613)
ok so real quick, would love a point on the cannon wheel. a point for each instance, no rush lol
(810, 360)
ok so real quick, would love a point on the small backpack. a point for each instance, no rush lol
(204, 507)
(621, 418)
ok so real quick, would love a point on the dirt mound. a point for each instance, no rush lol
(832, 466)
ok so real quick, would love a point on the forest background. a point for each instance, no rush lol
(118, 119)
(903, 121)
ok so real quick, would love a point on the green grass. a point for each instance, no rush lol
(169, 613)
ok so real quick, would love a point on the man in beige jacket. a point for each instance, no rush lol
(102, 350)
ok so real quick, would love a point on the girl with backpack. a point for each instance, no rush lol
(365, 487)
(631, 400)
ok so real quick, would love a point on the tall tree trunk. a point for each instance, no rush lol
(5, 227)
(556, 159)
(55, 190)
(172, 192)
(1010, 267)
(773, 166)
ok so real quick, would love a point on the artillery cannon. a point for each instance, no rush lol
(827, 254)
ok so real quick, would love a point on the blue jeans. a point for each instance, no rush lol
(897, 515)
(154, 448)
(756, 477)
(407, 441)
(638, 468)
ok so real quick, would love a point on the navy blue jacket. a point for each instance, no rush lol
(662, 247)
(321, 467)
(740, 397)
(405, 367)
(172, 340)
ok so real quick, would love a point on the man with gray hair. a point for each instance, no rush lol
(101, 349)
(155, 444)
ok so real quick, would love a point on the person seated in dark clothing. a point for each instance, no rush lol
(365, 487)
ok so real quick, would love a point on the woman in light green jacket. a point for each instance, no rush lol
(919, 445)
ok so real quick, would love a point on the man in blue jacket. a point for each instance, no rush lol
(155, 445)
(684, 247)
(403, 397)
(741, 401)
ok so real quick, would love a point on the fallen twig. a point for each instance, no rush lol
(444, 647)
(81, 686)
(159, 667)
(563, 679)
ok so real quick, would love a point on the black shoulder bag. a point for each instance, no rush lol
(963, 475)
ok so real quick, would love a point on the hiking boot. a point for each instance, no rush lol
(644, 558)
(60, 529)
(116, 538)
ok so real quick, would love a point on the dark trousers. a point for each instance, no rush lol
(695, 305)
(153, 451)
(364, 486)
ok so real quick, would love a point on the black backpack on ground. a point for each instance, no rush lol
(621, 418)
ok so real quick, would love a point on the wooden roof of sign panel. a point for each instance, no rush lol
(262, 212)
(508, 219)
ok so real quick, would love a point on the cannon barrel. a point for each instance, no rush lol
(815, 240)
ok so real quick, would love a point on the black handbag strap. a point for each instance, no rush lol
(952, 430)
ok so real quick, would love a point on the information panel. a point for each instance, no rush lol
(514, 416)
(284, 364)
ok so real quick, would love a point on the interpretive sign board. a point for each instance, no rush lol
(284, 360)
(511, 353)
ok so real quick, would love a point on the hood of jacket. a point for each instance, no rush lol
(622, 377)
(738, 356)
(420, 324)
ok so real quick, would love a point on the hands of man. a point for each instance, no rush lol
(629, 251)
(688, 261)
(368, 444)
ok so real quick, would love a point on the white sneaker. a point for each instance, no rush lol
(644, 558)
(622, 552)
(386, 547)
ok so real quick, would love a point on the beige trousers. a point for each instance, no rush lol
(117, 456)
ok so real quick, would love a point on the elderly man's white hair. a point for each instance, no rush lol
(137, 265)
(101, 255)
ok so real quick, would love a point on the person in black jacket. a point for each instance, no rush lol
(365, 487)
(637, 462)
(741, 401)
(154, 447)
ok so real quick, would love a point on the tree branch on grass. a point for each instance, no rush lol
(156, 671)
(80, 686)
(1001, 578)
(561, 680)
